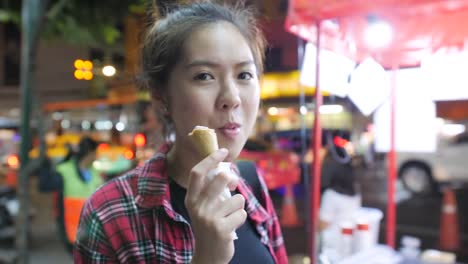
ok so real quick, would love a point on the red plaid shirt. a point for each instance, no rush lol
(131, 220)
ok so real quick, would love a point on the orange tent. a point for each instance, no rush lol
(420, 27)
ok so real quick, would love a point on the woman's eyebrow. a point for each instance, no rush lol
(212, 64)
(245, 63)
(197, 63)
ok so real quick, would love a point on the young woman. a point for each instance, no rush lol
(202, 63)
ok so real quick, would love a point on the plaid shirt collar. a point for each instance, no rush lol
(153, 189)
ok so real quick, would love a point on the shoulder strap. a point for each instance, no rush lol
(248, 171)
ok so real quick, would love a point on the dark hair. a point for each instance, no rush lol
(165, 38)
(86, 146)
(70, 153)
(343, 179)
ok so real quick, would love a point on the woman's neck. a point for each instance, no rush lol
(179, 166)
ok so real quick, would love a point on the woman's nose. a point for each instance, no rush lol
(229, 97)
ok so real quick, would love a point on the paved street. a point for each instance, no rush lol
(45, 244)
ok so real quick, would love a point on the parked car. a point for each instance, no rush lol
(422, 173)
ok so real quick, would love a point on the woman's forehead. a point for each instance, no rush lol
(216, 43)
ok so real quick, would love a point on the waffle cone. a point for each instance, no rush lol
(205, 140)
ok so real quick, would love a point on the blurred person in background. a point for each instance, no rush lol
(339, 203)
(77, 180)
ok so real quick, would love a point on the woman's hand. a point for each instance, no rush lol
(213, 218)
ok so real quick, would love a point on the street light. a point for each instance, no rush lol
(330, 109)
(378, 34)
(273, 111)
(83, 70)
(108, 70)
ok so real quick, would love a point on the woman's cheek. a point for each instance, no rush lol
(190, 111)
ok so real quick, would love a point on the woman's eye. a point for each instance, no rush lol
(245, 76)
(203, 77)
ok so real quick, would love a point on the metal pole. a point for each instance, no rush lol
(31, 15)
(303, 133)
(315, 173)
(23, 188)
(392, 170)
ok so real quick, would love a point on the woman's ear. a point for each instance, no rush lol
(160, 100)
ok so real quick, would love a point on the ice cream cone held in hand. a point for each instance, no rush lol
(206, 142)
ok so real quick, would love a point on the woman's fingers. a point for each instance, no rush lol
(233, 221)
(216, 187)
(231, 205)
(210, 213)
(199, 172)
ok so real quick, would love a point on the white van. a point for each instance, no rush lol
(421, 173)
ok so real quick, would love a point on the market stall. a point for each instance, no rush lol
(416, 28)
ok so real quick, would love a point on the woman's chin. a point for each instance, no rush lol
(234, 150)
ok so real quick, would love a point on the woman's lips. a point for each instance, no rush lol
(230, 130)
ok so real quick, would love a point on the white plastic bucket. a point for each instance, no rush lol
(373, 216)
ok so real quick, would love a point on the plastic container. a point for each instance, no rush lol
(372, 216)
(362, 237)
(410, 247)
(346, 241)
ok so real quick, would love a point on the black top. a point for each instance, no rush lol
(247, 248)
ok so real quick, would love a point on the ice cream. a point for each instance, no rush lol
(206, 142)
(204, 139)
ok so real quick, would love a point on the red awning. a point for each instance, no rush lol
(420, 26)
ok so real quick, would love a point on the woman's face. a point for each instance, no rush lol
(215, 85)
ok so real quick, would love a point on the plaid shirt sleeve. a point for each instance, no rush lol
(91, 245)
(273, 226)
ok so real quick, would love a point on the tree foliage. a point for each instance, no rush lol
(81, 22)
(10, 11)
